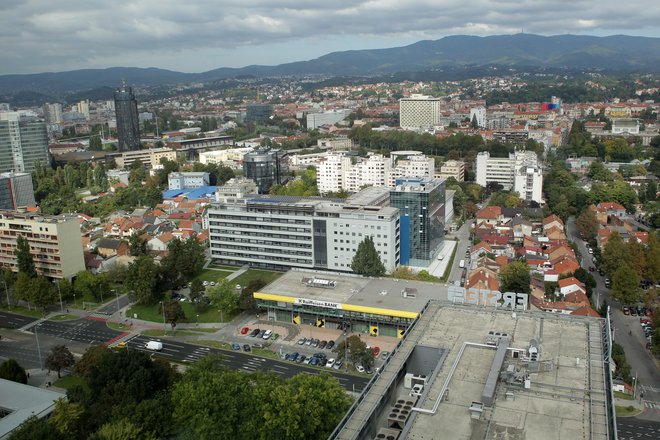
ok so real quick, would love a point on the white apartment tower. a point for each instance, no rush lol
(480, 114)
(419, 112)
(339, 172)
(520, 172)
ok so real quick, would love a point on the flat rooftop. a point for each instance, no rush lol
(383, 293)
(567, 393)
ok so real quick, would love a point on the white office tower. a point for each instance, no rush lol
(419, 112)
(520, 172)
(480, 114)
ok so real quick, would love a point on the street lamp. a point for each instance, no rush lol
(117, 296)
(197, 320)
(162, 306)
(60, 293)
(74, 300)
(41, 365)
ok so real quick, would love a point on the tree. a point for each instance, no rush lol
(59, 358)
(613, 254)
(196, 290)
(11, 370)
(247, 301)
(43, 292)
(587, 224)
(225, 297)
(515, 277)
(366, 260)
(95, 143)
(66, 417)
(141, 279)
(625, 284)
(24, 258)
(173, 312)
(35, 428)
(358, 353)
(474, 123)
(136, 246)
(652, 270)
(120, 430)
(89, 360)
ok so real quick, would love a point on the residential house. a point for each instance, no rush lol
(108, 247)
(612, 209)
(571, 285)
(490, 215)
(483, 278)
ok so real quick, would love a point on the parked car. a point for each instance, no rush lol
(315, 343)
(235, 346)
(359, 368)
(375, 351)
(384, 354)
(300, 359)
(337, 365)
(267, 334)
(633, 311)
(314, 361)
(330, 345)
(246, 347)
(368, 369)
(255, 332)
(309, 341)
(293, 356)
(258, 345)
(307, 360)
(302, 341)
(261, 334)
(330, 363)
(245, 330)
(322, 344)
(626, 311)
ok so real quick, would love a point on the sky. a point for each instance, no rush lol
(200, 35)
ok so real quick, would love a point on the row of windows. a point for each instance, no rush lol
(279, 251)
(267, 243)
(262, 257)
(260, 219)
(268, 227)
(257, 234)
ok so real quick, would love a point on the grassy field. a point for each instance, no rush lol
(220, 266)
(214, 275)
(626, 411)
(153, 313)
(621, 395)
(22, 311)
(64, 317)
(67, 382)
(253, 274)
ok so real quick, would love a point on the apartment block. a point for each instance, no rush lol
(149, 157)
(519, 172)
(274, 232)
(339, 172)
(55, 243)
(453, 168)
(419, 112)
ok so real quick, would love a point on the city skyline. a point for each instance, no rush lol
(39, 36)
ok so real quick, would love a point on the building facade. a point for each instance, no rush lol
(316, 120)
(419, 112)
(188, 180)
(150, 158)
(16, 191)
(266, 167)
(283, 232)
(421, 206)
(55, 243)
(453, 168)
(23, 141)
(128, 125)
(519, 172)
(339, 171)
(258, 113)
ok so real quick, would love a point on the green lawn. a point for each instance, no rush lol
(626, 411)
(621, 395)
(64, 317)
(253, 274)
(214, 275)
(67, 382)
(22, 311)
(152, 313)
(220, 266)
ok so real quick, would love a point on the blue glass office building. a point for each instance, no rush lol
(421, 203)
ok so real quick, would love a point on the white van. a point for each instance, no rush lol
(461, 264)
(154, 345)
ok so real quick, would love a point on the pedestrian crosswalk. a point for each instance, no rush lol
(652, 405)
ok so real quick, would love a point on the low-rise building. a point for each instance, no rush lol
(188, 180)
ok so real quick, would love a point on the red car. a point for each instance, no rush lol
(375, 351)
(626, 311)
(245, 330)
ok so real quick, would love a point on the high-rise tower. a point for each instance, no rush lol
(126, 112)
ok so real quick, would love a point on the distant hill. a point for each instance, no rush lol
(613, 53)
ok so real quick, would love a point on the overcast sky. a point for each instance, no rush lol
(199, 35)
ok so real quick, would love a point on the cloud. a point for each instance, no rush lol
(38, 35)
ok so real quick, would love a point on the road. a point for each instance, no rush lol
(112, 307)
(631, 428)
(627, 330)
(82, 333)
(463, 236)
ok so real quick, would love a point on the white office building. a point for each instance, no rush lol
(519, 172)
(188, 180)
(339, 172)
(419, 112)
(232, 157)
(281, 232)
(331, 117)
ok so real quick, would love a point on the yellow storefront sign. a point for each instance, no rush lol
(296, 319)
(373, 330)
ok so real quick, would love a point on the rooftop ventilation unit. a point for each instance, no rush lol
(320, 282)
(409, 292)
